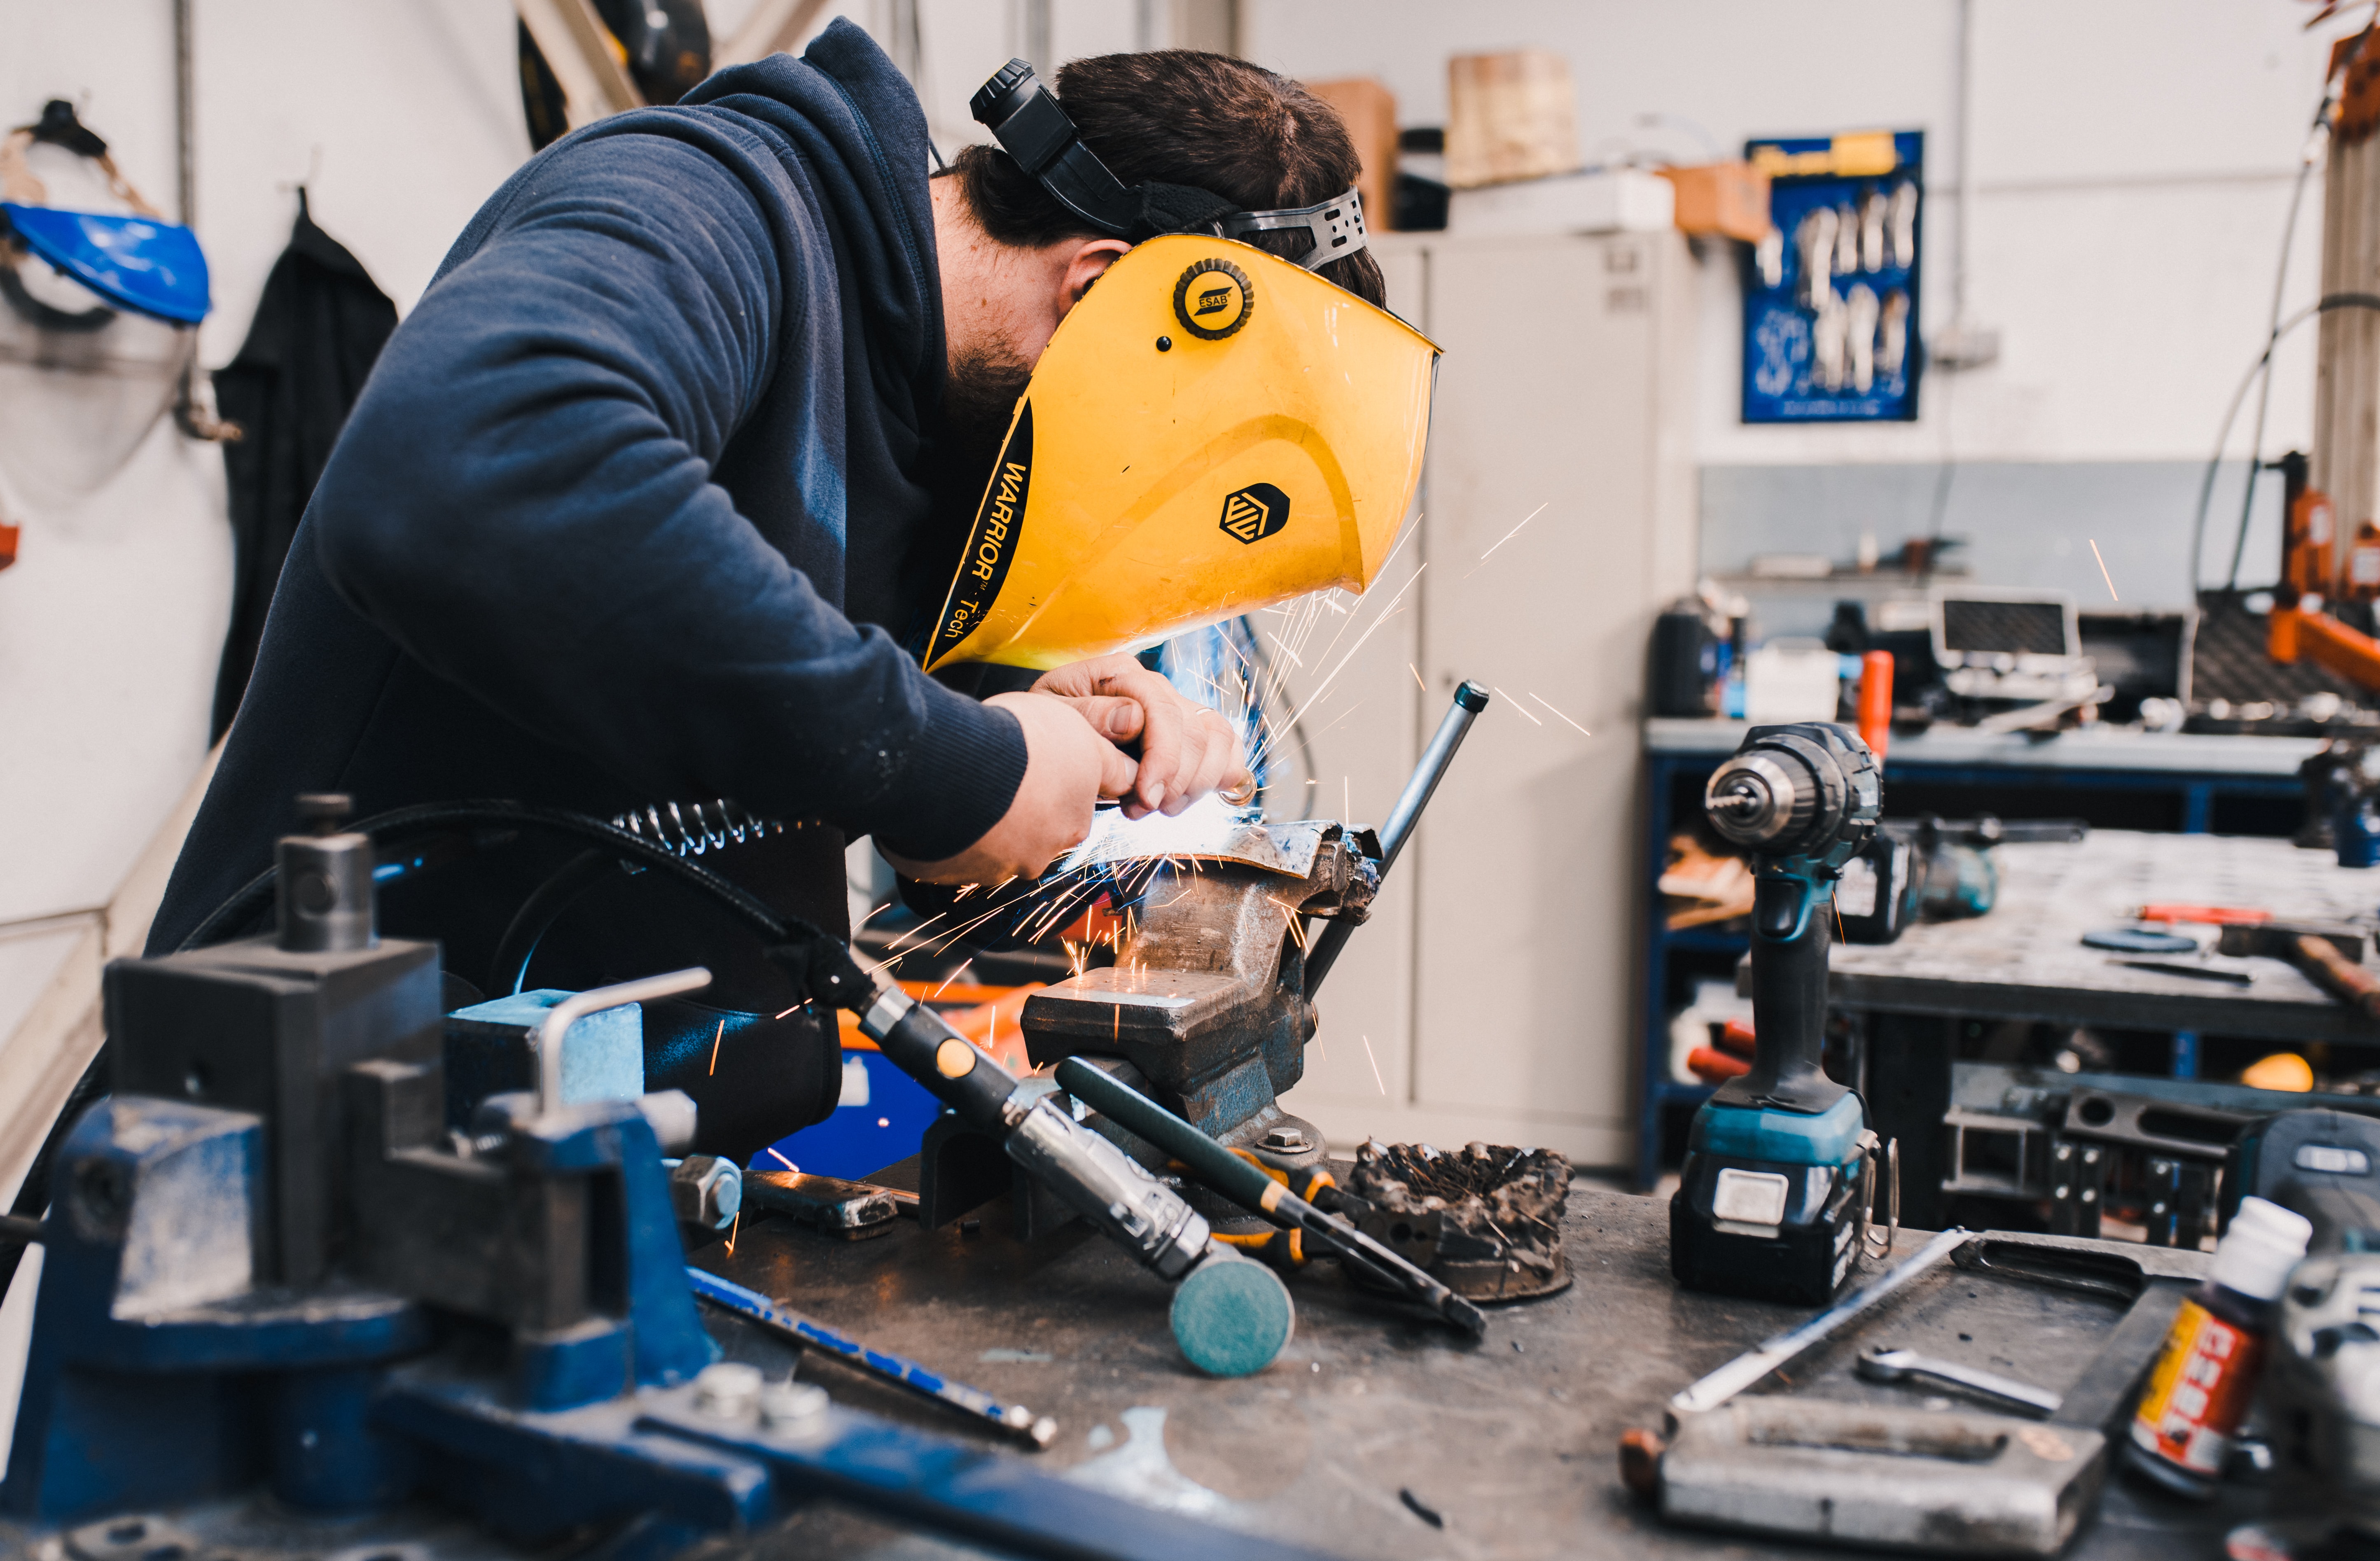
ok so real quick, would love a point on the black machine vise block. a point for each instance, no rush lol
(250, 1026)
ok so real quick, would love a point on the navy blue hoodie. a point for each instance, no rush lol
(623, 516)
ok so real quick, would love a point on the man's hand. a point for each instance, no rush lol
(1068, 766)
(1186, 750)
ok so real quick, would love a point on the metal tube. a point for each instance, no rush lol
(1747, 1369)
(1469, 700)
(578, 1005)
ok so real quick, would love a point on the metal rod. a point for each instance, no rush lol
(1747, 1369)
(1469, 700)
(578, 1005)
(1010, 1420)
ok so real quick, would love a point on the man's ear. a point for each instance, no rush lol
(1088, 263)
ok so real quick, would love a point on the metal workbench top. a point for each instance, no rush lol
(2026, 959)
(1512, 1441)
(2087, 748)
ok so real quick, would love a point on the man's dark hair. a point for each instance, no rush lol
(1185, 117)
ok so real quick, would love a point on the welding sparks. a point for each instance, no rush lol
(736, 1225)
(1376, 1065)
(2103, 575)
(871, 917)
(1516, 530)
(714, 1045)
(785, 1161)
(1517, 706)
(953, 976)
(1558, 715)
(1416, 673)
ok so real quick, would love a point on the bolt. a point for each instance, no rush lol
(1286, 1140)
(706, 1191)
(792, 1406)
(729, 1390)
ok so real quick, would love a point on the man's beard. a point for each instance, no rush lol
(978, 400)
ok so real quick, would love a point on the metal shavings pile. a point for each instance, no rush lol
(1500, 1210)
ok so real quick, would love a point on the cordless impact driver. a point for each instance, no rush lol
(1770, 1203)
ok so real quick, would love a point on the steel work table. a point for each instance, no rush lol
(1513, 1441)
(2026, 961)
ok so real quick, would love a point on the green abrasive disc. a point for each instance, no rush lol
(1232, 1316)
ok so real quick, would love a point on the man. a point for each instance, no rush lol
(653, 498)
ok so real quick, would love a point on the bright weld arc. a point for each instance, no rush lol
(785, 1161)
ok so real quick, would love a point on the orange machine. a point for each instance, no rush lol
(2298, 625)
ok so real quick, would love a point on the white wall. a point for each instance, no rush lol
(2131, 165)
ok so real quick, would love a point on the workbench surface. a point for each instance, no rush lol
(2026, 959)
(1512, 1441)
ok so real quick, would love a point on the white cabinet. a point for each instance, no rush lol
(1495, 994)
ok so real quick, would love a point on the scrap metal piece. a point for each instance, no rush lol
(1485, 1221)
(1960, 1482)
(1210, 832)
(854, 1211)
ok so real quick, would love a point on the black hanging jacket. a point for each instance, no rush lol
(318, 329)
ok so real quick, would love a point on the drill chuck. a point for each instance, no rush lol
(1807, 791)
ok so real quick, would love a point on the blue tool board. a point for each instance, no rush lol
(1798, 366)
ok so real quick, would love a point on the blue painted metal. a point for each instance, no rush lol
(881, 1118)
(491, 1047)
(2185, 1054)
(2197, 808)
(323, 1454)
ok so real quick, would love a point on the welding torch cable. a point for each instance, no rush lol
(1254, 1190)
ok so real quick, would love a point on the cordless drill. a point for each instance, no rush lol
(1770, 1203)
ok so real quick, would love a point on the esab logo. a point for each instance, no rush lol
(1256, 512)
(1213, 299)
(992, 544)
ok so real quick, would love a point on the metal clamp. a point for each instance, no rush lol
(578, 1005)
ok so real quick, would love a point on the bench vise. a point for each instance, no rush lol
(1210, 1001)
(286, 1311)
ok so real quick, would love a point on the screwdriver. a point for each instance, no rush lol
(1249, 1187)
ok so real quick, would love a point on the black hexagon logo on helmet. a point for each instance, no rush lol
(1256, 512)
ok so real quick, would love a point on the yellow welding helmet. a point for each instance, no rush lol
(1212, 430)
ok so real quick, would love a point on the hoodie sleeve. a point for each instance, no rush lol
(523, 500)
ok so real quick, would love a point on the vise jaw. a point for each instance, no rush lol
(1208, 994)
(1205, 1008)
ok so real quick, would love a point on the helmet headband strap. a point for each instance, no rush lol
(1027, 119)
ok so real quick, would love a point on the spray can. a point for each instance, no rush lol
(2206, 1376)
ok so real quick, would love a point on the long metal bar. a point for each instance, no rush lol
(1748, 1368)
(1469, 700)
(1010, 1420)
